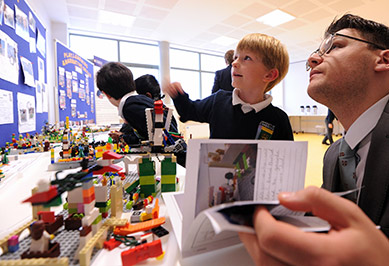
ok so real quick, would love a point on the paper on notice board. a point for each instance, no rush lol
(21, 27)
(38, 93)
(41, 44)
(9, 62)
(26, 112)
(6, 107)
(28, 71)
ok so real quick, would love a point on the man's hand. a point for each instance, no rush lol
(173, 89)
(352, 240)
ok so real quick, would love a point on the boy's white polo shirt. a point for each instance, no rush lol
(246, 107)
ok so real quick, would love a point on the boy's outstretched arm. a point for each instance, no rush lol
(352, 240)
(173, 89)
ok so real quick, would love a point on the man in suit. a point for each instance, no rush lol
(350, 75)
(223, 78)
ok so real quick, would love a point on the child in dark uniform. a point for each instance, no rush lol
(260, 62)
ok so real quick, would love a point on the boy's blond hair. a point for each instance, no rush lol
(272, 52)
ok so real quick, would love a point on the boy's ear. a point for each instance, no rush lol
(382, 63)
(271, 75)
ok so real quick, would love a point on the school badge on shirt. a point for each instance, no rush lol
(265, 130)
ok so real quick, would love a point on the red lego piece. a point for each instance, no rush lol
(141, 253)
(158, 107)
(43, 197)
(110, 168)
(46, 216)
(111, 155)
(111, 244)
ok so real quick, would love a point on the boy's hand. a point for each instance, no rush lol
(173, 89)
(115, 135)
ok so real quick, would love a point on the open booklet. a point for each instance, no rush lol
(225, 181)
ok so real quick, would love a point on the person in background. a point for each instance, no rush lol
(223, 78)
(352, 240)
(261, 61)
(148, 85)
(330, 128)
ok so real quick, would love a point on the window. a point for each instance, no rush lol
(88, 47)
(190, 81)
(212, 62)
(184, 59)
(139, 53)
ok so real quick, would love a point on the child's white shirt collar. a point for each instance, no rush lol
(123, 100)
(246, 107)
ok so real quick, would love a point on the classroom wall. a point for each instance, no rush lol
(295, 90)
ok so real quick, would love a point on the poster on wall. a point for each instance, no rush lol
(1, 11)
(6, 107)
(26, 112)
(28, 71)
(41, 44)
(9, 16)
(31, 22)
(45, 98)
(9, 62)
(21, 27)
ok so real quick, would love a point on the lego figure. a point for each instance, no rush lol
(39, 237)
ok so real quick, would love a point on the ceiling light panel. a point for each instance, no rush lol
(275, 18)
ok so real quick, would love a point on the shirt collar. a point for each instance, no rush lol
(365, 123)
(246, 107)
(123, 100)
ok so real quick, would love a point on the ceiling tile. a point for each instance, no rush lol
(163, 4)
(146, 23)
(238, 34)
(120, 7)
(344, 6)
(318, 15)
(153, 13)
(300, 7)
(220, 29)
(207, 36)
(236, 20)
(291, 25)
(82, 12)
(86, 24)
(86, 3)
(273, 31)
(255, 10)
(255, 27)
(277, 3)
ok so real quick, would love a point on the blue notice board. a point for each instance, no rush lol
(75, 83)
(23, 78)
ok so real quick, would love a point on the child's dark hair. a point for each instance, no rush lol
(149, 86)
(370, 30)
(115, 79)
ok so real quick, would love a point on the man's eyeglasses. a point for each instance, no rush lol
(327, 43)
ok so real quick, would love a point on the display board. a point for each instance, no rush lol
(75, 84)
(23, 81)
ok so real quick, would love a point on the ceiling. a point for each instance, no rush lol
(195, 23)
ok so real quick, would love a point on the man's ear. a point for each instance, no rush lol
(271, 75)
(382, 63)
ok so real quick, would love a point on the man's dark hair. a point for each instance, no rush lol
(149, 86)
(229, 57)
(370, 30)
(115, 79)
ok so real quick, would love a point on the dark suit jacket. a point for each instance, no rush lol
(374, 198)
(223, 80)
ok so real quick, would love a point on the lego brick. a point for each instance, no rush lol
(85, 230)
(88, 220)
(168, 168)
(88, 207)
(72, 210)
(89, 199)
(75, 195)
(87, 185)
(147, 180)
(98, 219)
(159, 231)
(146, 167)
(101, 193)
(101, 204)
(143, 226)
(168, 187)
(168, 179)
(142, 252)
(88, 192)
(46, 216)
(130, 187)
(147, 190)
(51, 228)
(111, 244)
(104, 209)
(72, 223)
